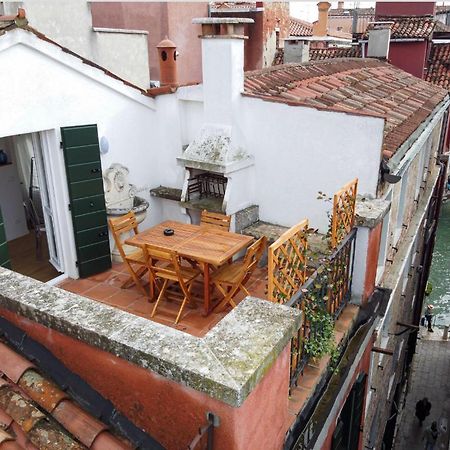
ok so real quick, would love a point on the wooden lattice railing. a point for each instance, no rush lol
(287, 273)
(287, 263)
(343, 218)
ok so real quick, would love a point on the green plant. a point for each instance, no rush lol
(320, 341)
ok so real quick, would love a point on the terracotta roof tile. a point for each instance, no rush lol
(439, 65)
(298, 27)
(318, 54)
(232, 6)
(359, 86)
(362, 12)
(411, 27)
(35, 413)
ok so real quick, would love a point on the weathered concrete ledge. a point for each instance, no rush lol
(370, 212)
(226, 364)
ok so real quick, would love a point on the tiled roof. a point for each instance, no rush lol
(362, 12)
(360, 86)
(298, 27)
(439, 65)
(232, 6)
(317, 54)
(37, 414)
(409, 27)
(441, 9)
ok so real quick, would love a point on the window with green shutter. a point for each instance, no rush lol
(87, 199)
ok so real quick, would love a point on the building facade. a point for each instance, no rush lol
(384, 127)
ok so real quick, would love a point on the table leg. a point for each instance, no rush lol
(206, 290)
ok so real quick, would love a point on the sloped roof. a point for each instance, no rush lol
(232, 6)
(318, 54)
(298, 27)
(8, 23)
(358, 86)
(35, 413)
(348, 12)
(439, 65)
(411, 27)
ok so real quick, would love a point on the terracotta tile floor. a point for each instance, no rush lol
(105, 288)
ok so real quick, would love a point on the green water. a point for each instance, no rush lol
(440, 270)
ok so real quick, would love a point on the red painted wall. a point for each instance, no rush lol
(363, 366)
(404, 8)
(160, 19)
(170, 412)
(409, 56)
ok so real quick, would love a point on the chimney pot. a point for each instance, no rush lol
(379, 40)
(167, 52)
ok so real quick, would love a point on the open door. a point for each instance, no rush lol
(4, 255)
(46, 194)
(87, 198)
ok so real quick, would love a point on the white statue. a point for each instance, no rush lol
(119, 194)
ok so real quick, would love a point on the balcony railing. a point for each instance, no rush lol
(330, 287)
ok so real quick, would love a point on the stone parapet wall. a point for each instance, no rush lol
(162, 379)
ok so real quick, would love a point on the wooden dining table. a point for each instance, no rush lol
(204, 244)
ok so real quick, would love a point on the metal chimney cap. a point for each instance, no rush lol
(221, 20)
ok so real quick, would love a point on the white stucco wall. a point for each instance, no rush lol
(69, 23)
(299, 151)
(47, 89)
(124, 54)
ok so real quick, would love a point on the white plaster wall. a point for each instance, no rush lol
(299, 151)
(69, 23)
(360, 264)
(124, 54)
(50, 89)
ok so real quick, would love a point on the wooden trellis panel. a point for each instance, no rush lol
(287, 263)
(344, 202)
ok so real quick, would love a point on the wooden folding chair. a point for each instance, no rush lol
(118, 227)
(170, 270)
(231, 278)
(216, 220)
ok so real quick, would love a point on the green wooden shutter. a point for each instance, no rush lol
(4, 255)
(87, 200)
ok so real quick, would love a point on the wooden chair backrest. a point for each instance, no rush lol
(253, 254)
(121, 225)
(216, 220)
(155, 254)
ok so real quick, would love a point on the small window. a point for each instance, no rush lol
(175, 55)
(164, 55)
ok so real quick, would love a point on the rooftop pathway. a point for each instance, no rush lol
(105, 288)
(429, 378)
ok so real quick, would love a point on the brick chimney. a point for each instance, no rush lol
(340, 5)
(222, 65)
(167, 52)
(320, 28)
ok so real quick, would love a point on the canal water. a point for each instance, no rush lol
(440, 270)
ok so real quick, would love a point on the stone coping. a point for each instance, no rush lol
(226, 364)
(370, 212)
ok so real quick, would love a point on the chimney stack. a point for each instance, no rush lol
(379, 40)
(320, 28)
(340, 5)
(167, 52)
(222, 66)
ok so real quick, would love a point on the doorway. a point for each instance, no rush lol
(28, 205)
